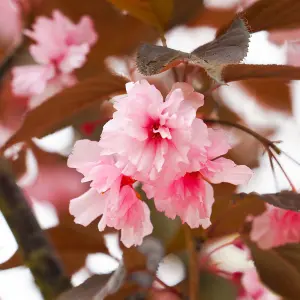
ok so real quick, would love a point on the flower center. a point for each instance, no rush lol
(159, 131)
(155, 133)
(126, 180)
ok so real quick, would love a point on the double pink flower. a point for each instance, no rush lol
(160, 143)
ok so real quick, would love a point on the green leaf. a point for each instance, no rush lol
(214, 287)
(279, 268)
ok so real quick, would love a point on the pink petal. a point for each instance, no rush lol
(85, 32)
(219, 143)
(136, 224)
(74, 58)
(84, 151)
(31, 80)
(253, 287)
(87, 207)
(276, 227)
(195, 99)
(225, 170)
(189, 197)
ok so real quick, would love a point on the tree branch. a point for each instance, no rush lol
(269, 145)
(37, 252)
(193, 264)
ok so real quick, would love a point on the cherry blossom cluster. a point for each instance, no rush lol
(160, 144)
(244, 276)
(60, 47)
(276, 227)
(248, 281)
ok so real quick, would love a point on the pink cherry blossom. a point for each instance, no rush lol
(164, 146)
(276, 227)
(253, 289)
(55, 184)
(111, 195)
(190, 196)
(151, 134)
(61, 47)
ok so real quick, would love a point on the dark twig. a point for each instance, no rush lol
(284, 173)
(38, 254)
(193, 264)
(270, 155)
(269, 145)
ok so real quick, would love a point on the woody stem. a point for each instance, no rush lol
(193, 265)
(36, 250)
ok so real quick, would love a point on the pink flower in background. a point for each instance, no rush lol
(190, 196)
(61, 47)
(246, 278)
(149, 133)
(60, 42)
(293, 53)
(276, 227)
(253, 289)
(55, 184)
(111, 195)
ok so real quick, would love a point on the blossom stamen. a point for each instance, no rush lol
(126, 180)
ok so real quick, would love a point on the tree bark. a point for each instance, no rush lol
(38, 254)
